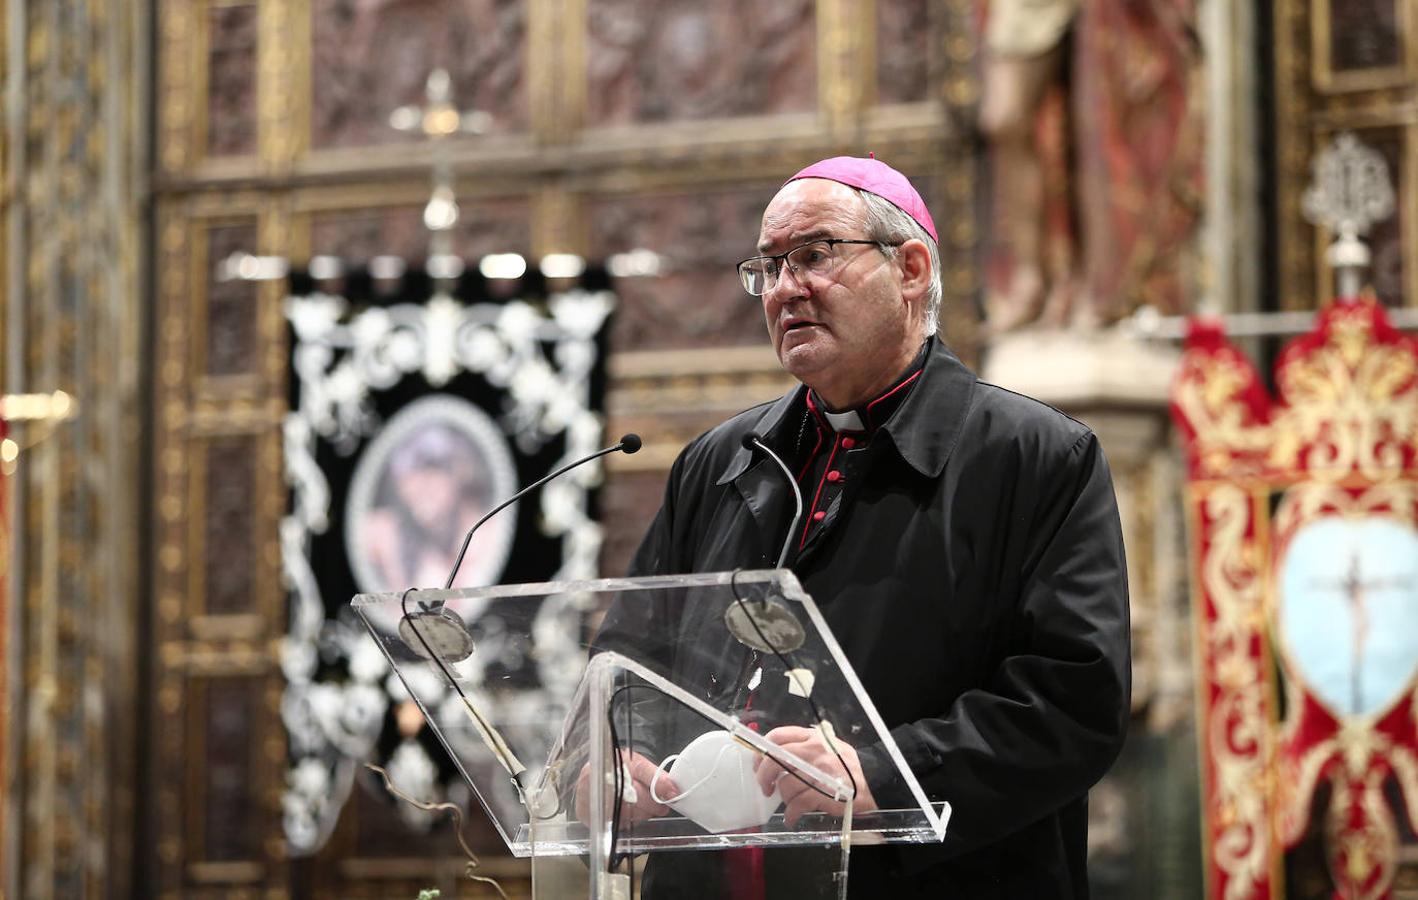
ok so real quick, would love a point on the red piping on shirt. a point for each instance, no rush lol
(888, 394)
(818, 493)
(816, 421)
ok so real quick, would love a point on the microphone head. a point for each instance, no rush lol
(751, 441)
(630, 443)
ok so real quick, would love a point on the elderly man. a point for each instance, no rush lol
(962, 541)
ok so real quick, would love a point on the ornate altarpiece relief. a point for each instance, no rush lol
(271, 134)
(1304, 534)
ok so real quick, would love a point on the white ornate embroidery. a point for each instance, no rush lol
(545, 363)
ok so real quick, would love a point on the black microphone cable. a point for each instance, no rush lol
(751, 441)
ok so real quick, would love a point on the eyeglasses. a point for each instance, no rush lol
(820, 258)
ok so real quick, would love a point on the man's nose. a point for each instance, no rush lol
(790, 284)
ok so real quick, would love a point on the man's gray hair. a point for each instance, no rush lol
(888, 224)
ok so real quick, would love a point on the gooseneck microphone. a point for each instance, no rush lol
(753, 440)
(628, 443)
(436, 635)
(769, 626)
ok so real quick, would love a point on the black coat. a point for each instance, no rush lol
(971, 566)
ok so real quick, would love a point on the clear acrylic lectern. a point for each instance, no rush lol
(555, 699)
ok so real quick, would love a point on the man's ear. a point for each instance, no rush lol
(914, 258)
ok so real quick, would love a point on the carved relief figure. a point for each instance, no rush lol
(1089, 115)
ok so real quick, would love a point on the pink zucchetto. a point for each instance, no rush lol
(875, 177)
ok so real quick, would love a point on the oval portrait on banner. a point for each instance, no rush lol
(1348, 617)
(435, 468)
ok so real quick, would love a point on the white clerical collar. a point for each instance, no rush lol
(844, 421)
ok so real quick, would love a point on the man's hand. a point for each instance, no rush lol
(636, 802)
(809, 745)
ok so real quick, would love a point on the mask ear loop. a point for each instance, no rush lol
(660, 770)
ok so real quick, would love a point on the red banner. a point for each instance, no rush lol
(4, 620)
(1303, 516)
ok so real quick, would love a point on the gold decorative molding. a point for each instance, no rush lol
(727, 147)
(1329, 81)
(958, 169)
(174, 363)
(1294, 143)
(226, 873)
(555, 66)
(558, 221)
(181, 50)
(275, 234)
(199, 658)
(696, 385)
(845, 74)
(283, 83)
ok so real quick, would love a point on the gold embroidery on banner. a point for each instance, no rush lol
(1340, 444)
(1351, 406)
(1362, 859)
(1236, 732)
(1351, 402)
(1207, 393)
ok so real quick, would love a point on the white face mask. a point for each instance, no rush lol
(719, 791)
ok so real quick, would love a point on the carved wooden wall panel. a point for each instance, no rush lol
(231, 80)
(631, 497)
(357, 235)
(698, 301)
(226, 825)
(367, 58)
(676, 60)
(1345, 66)
(217, 748)
(374, 854)
(1360, 42)
(229, 528)
(230, 321)
(908, 63)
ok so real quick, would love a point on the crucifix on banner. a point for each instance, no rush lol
(1355, 589)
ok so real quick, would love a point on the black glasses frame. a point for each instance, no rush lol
(782, 258)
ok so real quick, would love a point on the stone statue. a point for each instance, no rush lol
(1089, 114)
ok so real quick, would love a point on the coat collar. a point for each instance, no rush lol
(928, 423)
(772, 424)
(924, 429)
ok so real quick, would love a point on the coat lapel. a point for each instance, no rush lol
(762, 485)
